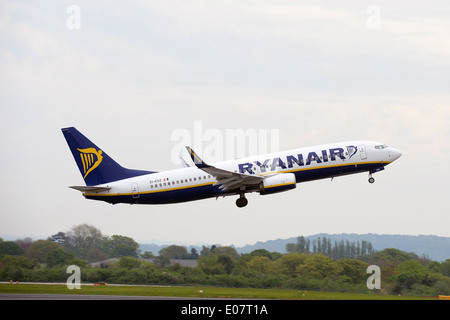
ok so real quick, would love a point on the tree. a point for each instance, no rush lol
(205, 251)
(260, 264)
(340, 250)
(57, 257)
(260, 253)
(162, 261)
(25, 243)
(228, 251)
(40, 249)
(120, 246)
(355, 270)
(129, 263)
(174, 252)
(391, 255)
(85, 242)
(319, 267)
(12, 267)
(410, 272)
(59, 238)
(15, 261)
(302, 245)
(194, 254)
(147, 255)
(289, 262)
(216, 264)
(10, 248)
(445, 268)
(49, 252)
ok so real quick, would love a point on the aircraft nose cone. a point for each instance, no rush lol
(395, 154)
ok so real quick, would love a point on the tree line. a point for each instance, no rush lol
(314, 265)
(337, 250)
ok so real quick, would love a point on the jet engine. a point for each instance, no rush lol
(277, 183)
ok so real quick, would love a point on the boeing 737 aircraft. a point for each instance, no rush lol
(106, 180)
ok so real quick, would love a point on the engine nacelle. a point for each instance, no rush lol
(277, 183)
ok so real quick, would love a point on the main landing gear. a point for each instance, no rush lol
(371, 179)
(241, 201)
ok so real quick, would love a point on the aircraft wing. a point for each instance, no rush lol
(228, 180)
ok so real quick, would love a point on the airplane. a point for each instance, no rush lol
(267, 174)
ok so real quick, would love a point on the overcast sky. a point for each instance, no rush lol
(128, 74)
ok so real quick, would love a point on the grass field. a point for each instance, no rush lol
(196, 292)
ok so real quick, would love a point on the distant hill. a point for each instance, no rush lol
(435, 247)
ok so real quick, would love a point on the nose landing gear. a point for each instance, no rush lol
(371, 179)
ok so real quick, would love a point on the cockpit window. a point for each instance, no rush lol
(381, 146)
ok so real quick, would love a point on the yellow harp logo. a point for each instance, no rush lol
(91, 159)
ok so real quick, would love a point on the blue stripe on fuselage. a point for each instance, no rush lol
(175, 195)
(316, 173)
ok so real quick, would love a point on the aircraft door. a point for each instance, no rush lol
(363, 152)
(135, 191)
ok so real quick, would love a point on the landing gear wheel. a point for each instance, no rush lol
(241, 202)
(371, 180)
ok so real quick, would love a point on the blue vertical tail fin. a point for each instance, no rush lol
(95, 166)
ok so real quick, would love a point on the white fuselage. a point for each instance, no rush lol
(192, 183)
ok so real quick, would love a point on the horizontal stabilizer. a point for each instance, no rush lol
(90, 189)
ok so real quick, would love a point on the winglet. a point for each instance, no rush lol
(196, 159)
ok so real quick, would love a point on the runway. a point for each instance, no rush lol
(27, 296)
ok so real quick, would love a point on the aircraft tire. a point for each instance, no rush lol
(241, 202)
